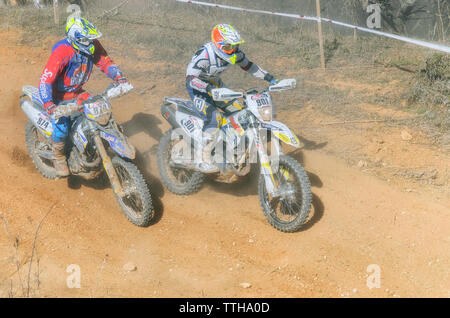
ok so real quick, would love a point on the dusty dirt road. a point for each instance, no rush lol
(207, 244)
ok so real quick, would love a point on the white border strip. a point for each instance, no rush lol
(433, 46)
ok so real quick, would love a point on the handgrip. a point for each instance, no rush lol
(65, 110)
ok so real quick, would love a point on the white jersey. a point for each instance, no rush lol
(206, 66)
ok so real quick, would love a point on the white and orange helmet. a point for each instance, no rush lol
(226, 42)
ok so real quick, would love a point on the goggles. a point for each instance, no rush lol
(85, 41)
(230, 48)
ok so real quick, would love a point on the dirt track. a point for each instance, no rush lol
(207, 244)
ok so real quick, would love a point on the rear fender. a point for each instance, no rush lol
(40, 119)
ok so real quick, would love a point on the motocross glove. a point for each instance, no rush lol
(116, 90)
(120, 80)
(274, 81)
(50, 107)
(271, 79)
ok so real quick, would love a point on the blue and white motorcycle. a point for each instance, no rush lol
(284, 189)
(96, 143)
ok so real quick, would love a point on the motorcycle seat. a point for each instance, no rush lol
(187, 108)
(183, 105)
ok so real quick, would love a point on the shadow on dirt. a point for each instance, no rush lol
(101, 183)
(154, 185)
(318, 210)
(149, 124)
(142, 122)
(313, 178)
(312, 145)
(249, 186)
(307, 145)
(245, 186)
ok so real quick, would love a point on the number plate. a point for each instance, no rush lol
(260, 100)
(98, 109)
(189, 125)
(43, 123)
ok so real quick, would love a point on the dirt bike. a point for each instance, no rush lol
(283, 187)
(94, 139)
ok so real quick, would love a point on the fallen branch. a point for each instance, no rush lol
(401, 68)
(116, 8)
(16, 246)
(34, 246)
(371, 121)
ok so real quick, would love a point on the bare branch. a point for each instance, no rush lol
(16, 247)
(34, 246)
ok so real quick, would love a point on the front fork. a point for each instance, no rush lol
(107, 164)
(266, 163)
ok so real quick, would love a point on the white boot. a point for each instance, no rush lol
(203, 156)
(205, 163)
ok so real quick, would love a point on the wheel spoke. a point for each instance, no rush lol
(180, 176)
(287, 209)
(132, 195)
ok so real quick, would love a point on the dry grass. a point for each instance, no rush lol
(171, 32)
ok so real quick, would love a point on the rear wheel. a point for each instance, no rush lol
(178, 180)
(288, 211)
(38, 145)
(136, 204)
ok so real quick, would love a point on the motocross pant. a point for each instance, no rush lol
(61, 126)
(204, 106)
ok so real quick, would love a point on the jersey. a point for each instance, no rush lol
(206, 66)
(67, 70)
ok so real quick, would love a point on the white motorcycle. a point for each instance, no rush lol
(96, 143)
(284, 189)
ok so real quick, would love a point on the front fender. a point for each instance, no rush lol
(282, 132)
(119, 144)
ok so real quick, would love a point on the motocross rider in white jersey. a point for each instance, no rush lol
(203, 75)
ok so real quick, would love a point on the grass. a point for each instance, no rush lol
(171, 32)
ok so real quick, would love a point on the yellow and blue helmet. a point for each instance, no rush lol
(81, 34)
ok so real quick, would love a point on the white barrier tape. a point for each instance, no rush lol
(433, 46)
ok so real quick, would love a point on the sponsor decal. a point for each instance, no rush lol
(45, 76)
(189, 124)
(43, 90)
(199, 104)
(258, 96)
(236, 126)
(198, 84)
(269, 126)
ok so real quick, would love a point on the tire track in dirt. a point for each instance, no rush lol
(209, 243)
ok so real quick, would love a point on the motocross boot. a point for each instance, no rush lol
(60, 163)
(205, 163)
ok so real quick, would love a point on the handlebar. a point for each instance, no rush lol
(112, 91)
(66, 110)
(225, 94)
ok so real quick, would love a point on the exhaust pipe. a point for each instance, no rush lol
(168, 113)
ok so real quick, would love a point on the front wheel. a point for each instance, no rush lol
(136, 204)
(289, 210)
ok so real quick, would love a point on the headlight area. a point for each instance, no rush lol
(99, 111)
(103, 119)
(266, 113)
